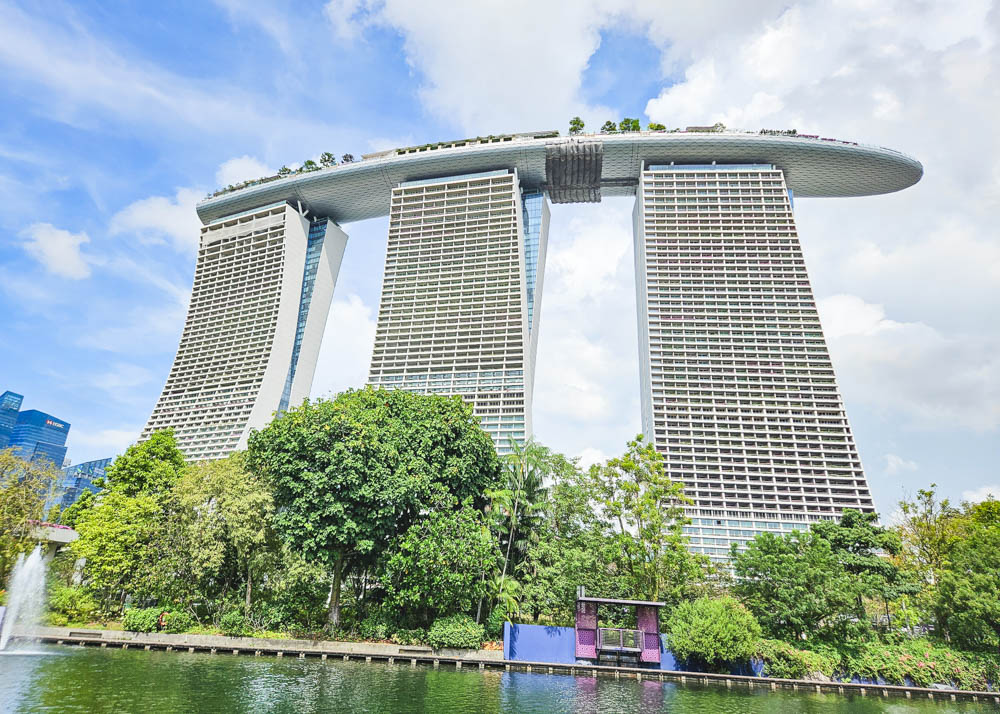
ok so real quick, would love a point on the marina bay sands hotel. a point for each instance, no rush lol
(737, 389)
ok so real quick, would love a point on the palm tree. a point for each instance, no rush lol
(522, 502)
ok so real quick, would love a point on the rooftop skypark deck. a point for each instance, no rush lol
(585, 167)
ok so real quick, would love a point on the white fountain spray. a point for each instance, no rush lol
(25, 596)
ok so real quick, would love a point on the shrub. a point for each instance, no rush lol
(494, 623)
(233, 624)
(375, 626)
(74, 603)
(784, 661)
(923, 661)
(141, 619)
(178, 621)
(456, 631)
(712, 631)
(417, 636)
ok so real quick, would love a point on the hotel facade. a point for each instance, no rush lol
(737, 388)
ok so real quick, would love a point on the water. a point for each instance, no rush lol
(25, 596)
(104, 680)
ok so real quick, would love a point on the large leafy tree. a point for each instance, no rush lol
(793, 583)
(929, 530)
(217, 539)
(116, 538)
(350, 474)
(864, 550)
(968, 597)
(575, 546)
(437, 565)
(24, 486)
(151, 466)
(646, 509)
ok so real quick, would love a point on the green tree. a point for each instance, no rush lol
(72, 513)
(864, 550)
(436, 567)
(350, 474)
(151, 466)
(928, 533)
(116, 538)
(714, 631)
(519, 505)
(792, 583)
(647, 510)
(575, 125)
(629, 124)
(609, 127)
(309, 165)
(327, 159)
(284, 171)
(653, 126)
(347, 158)
(222, 528)
(968, 598)
(24, 486)
(576, 546)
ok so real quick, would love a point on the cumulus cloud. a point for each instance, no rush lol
(58, 250)
(983, 493)
(933, 380)
(241, 168)
(161, 218)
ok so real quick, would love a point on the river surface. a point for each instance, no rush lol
(72, 679)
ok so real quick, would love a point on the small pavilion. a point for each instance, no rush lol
(593, 641)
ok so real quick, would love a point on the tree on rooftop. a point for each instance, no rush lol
(284, 171)
(653, 126)
(609, 127)
(309, 165)
(575, 125)
(350, 474)
(347, 158)
(629, 124)
(327, 159)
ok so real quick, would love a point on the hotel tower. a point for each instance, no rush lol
(737, 388)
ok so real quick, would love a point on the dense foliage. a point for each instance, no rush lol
(23, 488)
(712, 631)
(351, 474)
(388, 516)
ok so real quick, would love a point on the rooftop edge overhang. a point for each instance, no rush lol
(612, 163)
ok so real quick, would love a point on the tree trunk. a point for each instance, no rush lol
(338, 572)
(249, 580)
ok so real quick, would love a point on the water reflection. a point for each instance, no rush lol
(105, 680)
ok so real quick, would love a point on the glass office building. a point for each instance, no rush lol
(38, 436)
(79, 478)
(10, 406)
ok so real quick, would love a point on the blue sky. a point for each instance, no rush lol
(117, 117)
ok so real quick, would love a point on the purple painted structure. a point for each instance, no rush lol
(588, 641)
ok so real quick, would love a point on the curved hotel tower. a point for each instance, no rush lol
(738, 391)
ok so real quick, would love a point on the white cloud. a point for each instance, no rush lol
(241, 168)
(588, 457)
(929, 379)
(157, 218)
(487, 66)
(983, 493)
(58, 250)
(86, 445)
(121, 383)
(895, 465)
(346, 353)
